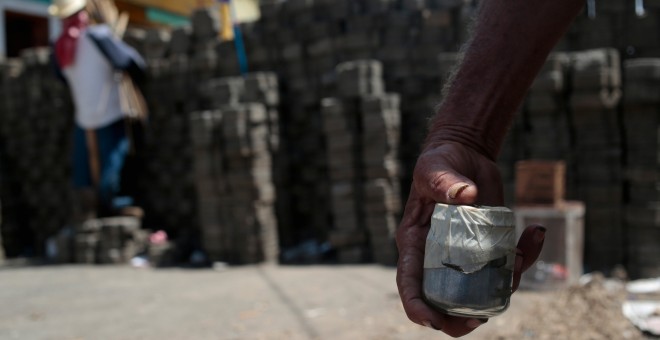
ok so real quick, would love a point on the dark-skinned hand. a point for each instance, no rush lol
(452, 174)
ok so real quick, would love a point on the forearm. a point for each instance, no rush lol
(510, 43)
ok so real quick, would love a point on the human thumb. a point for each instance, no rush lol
(451, 188)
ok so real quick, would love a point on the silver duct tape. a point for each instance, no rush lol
(467, 238)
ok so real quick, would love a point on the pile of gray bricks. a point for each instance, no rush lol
(305, 40)
(347, 235)
(2, 250)
(235, 159)
(323, 145)
(167, 181)
(547, 130)
(641, 122)
(631, 26)
(381, 130)
(36, 121)
(178, 63)
(102, 241)
(362, 135)
(548, 122)
(596, 91)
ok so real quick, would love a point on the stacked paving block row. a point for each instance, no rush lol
(103, 241)
(36, 121)
(340, 122)
(303, 41)
(381, 130)
(362, 135)
(547, 119)
(235, 153)
(546, 122)
(595, 94)
(642, 138)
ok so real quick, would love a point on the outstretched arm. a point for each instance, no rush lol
(511, 41)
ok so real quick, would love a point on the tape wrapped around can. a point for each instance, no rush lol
(466, 238)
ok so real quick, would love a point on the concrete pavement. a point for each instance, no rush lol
(255, 302)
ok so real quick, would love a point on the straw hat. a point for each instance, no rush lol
(65, 8)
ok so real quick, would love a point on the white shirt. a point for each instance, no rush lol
(94, 89)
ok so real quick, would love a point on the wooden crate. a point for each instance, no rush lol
(540, 182)
(561, 260)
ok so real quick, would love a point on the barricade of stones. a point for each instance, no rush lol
(236, 150)
(362, 135)
(36, 124)
(641, 122)
(595, 94)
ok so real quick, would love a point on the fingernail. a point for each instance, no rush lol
(456, 190)
(473, 323)
(539, 234)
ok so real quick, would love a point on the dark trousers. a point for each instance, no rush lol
(113, 149)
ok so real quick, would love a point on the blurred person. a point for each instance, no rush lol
(457, 165)
(90, 59)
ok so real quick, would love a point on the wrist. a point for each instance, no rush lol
(470, 136)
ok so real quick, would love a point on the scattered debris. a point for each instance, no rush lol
(589, 311)
(642, 307)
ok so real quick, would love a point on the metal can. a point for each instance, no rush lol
(469, 259)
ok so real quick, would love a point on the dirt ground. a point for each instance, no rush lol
(592, 311)
(269, 302)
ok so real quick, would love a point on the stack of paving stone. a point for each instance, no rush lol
(322, 45)
(394, 48)
(340, 129)
(301, 120)
(209, 183)
(247, 164)
(204, 44)
(155, 44)
(343, 129)
(167, 183)
(513, 150)
(434, 32)
(641, 122)
(547, 132)
(362, 131)
(304, 40)
(547, 117)
(235, 158)
(601, 24)
(362, 36)
(9, 179)
(596, 91)
(104, 241)
(381, 130)
(35, 134)
(630, 26)
(641, 32)
(172, 91)
(263, 87)
(2, 247)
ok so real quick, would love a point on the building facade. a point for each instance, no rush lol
(26, 23)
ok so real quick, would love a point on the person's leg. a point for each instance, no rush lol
(113, 149)
(82, 177)
(85, 202)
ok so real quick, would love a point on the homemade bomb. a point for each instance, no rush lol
(469, 258)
